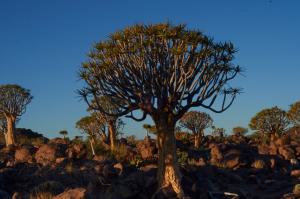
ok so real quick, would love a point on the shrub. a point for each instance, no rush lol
(182, 157)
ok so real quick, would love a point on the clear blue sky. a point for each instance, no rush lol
(43, 43)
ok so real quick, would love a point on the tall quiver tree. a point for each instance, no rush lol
(294, 113)
(196, 122)
(13, 102)
(162, 70)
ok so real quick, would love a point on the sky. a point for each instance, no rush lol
(43, 43)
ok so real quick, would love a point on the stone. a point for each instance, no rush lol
(147, 148)
(77, 193)
(23, 155)
(295, 173)
(47, 154)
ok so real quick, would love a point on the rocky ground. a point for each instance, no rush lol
(234, 167)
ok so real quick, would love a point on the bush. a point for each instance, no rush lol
(182, 157)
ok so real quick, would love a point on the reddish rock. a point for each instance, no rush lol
(48, 153)
(23, 155)
(76, 151)
(147, 148)
(77, 193)
(286, 152)
(295, 173)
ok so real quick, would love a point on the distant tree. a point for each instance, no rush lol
(162, 70)
(113, 122)
(64, 133)
(271, 121)
(3, 125)
(239, 131)
(93, 127)
(294, 113)
(218, 132)
(150, 129)
(196, 122)
(13, 102)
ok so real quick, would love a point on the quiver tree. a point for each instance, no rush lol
(13, 102)
(163, 71)
(239, 131)
(218, 132)
(294, 113)
(3, 126)
(196, 122)
(64, 133)
(271, 121)
(150, 129)
(112, 121)
(93, 127)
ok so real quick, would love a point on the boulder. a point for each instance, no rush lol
(77, 193)
(108, 171)
(76, 151)
(147, 148)
(23, 155)
(232, 158)
(295, 173)
(48, 153)
(287, 152)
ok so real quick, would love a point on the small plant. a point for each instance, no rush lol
(120, 152)
(182, 157)
(69, 168)
(137, 161)
(259, 164)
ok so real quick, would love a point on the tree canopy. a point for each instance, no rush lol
(154, 67)
(239, 130)
(14, 99)
(196, 121)
(294, 113)
(271, 121)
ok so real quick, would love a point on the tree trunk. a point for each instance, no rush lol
(92, 145)
(168, 169)
(10, 135)
(112, 135)
(197, 138)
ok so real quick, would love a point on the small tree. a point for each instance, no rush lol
(239, 131)
(162, 70)
(271, 121)
(13, 102)
(93, 127)
(64, 133)
(294, 113)
(196, 122)
(218, 132)
(150, 129)
(114, 123)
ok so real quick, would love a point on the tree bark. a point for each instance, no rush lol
(112, 135)
(10, 135)
(168, 169)
(92, 145)
(198, 138)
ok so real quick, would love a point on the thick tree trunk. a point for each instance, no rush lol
(168, 169)
(10, 134)
(112, 135)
